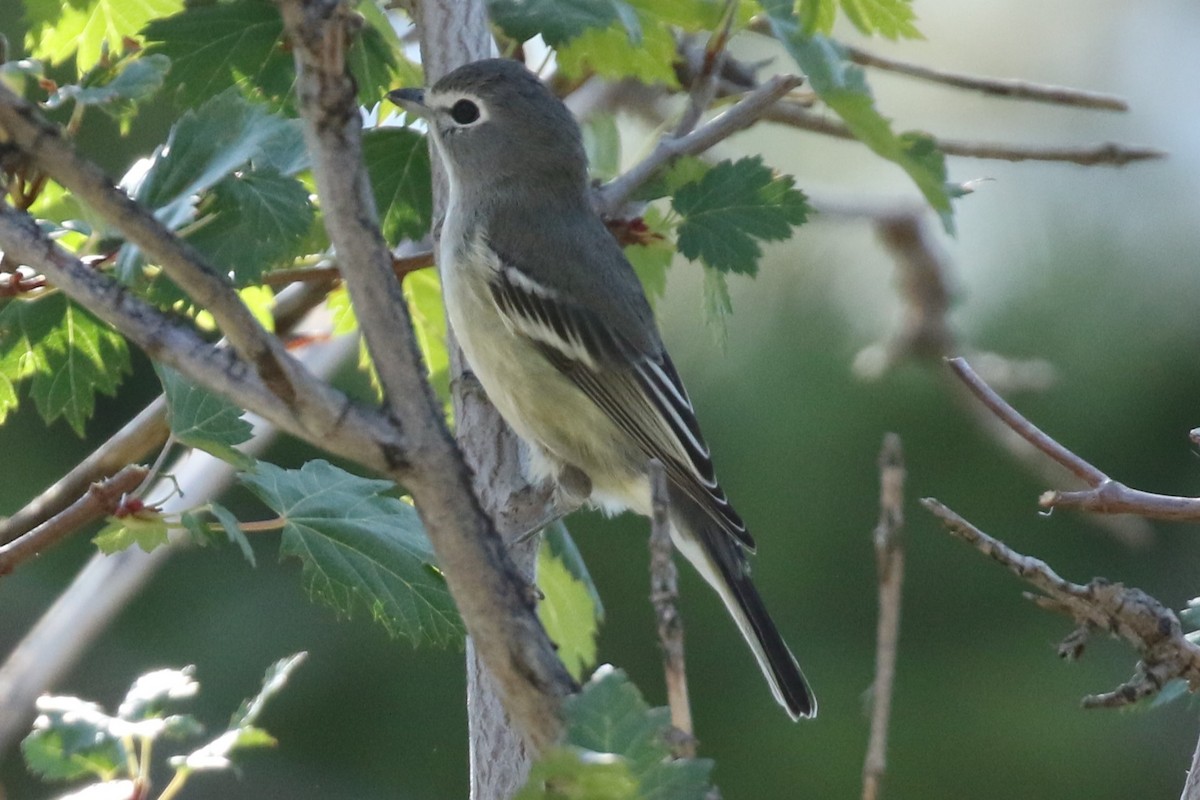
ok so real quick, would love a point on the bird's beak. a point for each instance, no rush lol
(411, 100)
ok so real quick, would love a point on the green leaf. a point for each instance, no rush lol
(199, 418)
(560, 20)
(718, 305)
(147, 529)
(153, 692)
(345, 322)
(73, 738)
(892, 19)
(69, 354)
(242, 733)
(734, 204)
(360, 548)
(842, 86)
(274, 679)
(613, 53)
(652, 258)
(81, 27)
(566, 773)
(8, 398)
(567, 612)
(234, 531)
(556, 537)
(133, 81)
(423, 291)
(215, 46)
(254, 221)
(397, 161)
(203, 147)
(610, 716)
(602, 143)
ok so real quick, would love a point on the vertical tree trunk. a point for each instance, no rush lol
(452, 33)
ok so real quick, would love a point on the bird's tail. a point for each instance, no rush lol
(721, 561)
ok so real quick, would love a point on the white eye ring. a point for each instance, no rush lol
(458, 109)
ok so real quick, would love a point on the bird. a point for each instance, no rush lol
(555, 325)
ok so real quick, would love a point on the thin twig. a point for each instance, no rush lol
(739, 116)
(1001, 87)
(100, 500)
(1023, 427)
(889, 562)
(1106, 496)
(1129, 614)
(400, 265)
(797, 115)
(704, 82)
(664, 596)
(133, 442)
(1191, 787)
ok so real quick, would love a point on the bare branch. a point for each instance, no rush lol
(1000, 87)
(204, 284)
(664, 596)
(400, 265)
(100, 500)
(1023, 427)
(491, 595)
(705, 81)
(1129, 614)
(1191, 787)
(133, 442)
(1109, 153)
(889, 563)
(1106, 496)
(741, 115)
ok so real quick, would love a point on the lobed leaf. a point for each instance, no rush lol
(253, 221)
(56, 31)
(213, 47)
(732, 207)
(609, 723)
(397, 161)
(69, 354)
(568, 612)
(201, 419)
(359, 548)
(561, 20)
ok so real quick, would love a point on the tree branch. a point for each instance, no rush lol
(133, 442)
(100, 500)
(1000, 87)
(491, 596)
(1191, 787)
(1106, 496)
(741, 115)
(1108, 153)
(889, 563)
(326, 417)
(57, 158)
(664, 596)
(1129, 614)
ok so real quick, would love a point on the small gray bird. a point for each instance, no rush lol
(555, 325)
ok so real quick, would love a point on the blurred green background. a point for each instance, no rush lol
(1094, 269)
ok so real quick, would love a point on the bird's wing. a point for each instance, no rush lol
(639, 391)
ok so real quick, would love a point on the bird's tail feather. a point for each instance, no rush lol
(722, 563)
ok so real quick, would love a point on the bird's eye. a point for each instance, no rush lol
(464, 112)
